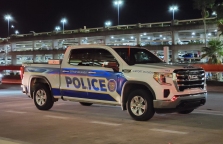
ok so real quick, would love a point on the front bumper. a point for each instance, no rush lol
(183, 102)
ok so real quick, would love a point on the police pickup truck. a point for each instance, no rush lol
(131, 77)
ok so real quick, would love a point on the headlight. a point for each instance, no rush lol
(161, 78)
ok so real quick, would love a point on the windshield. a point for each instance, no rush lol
(137, 56)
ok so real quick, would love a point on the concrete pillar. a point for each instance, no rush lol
(175, 37)
(34, 58)
(106, 40)
(43, 58)
(80, 41)
(6, 54)
(55, 44)
(14, 59)
(13, 46)
(34, 45)
(202, 38)
(174, 56)
(166, 54)
(138, 39)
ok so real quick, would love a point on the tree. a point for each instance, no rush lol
(203, 5)
(214, 51)
(219, 11)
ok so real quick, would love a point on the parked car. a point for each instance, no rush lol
(188, 55)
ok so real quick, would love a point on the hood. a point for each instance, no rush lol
(164, 67)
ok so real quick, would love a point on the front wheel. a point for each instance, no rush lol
(42, 97)
(140, 105)
(85, 104)
(186, 111)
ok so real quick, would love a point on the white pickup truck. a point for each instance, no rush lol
(131, 77)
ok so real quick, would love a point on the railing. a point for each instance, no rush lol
(118, 27)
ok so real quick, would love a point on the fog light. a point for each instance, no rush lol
(174, 98)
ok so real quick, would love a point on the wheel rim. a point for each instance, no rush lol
(41, 97)
(138, 105)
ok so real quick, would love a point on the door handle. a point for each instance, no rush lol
(92, 72)
(64, 71)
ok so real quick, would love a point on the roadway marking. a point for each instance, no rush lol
(210, 111)
(7, 142)
(60, 104)
(169, 131)
(105, 123)
(57, 117)
(17, 112)
(216, 114)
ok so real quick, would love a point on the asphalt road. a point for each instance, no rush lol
(71, 123)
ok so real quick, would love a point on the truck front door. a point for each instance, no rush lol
(73, 74)
(106, 84)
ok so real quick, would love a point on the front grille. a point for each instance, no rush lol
(188, 79)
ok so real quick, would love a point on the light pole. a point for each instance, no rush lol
(107, 23)
(118, 3)
(173, 8)
(63, 21)
(8, 18)
(57, 28)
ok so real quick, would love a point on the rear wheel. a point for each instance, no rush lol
(85, 104)
(186, 111)
(140, 105)
(42, 97)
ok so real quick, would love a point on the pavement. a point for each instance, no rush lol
(71, 123)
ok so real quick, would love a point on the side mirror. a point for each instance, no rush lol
(112, 65)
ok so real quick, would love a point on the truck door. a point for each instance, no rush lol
(105, 83)
(73, 73)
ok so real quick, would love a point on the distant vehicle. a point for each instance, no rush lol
(188, 55)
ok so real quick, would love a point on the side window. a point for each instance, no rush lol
(81, 57)
(140, 56)
(101, 56)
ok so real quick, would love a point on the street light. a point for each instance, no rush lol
(108, 23)
(8, 18)
(16, 32)
(63, 21)
(118, 3)
(57, 28)
(173, 8)
(214, 13)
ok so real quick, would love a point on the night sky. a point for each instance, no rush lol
(44, 15)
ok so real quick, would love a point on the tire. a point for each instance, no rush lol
(186, 111)
(43, 97)
(86, 104)
(140, 105)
